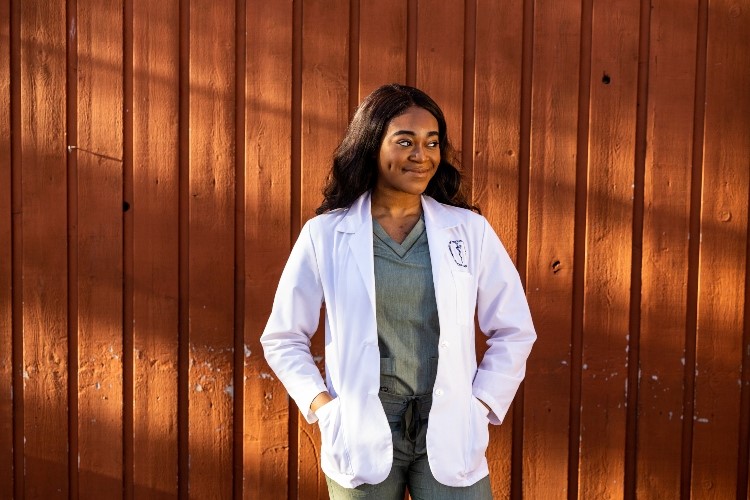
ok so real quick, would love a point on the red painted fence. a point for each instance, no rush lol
(157, 159)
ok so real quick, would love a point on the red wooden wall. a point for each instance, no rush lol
(157, 159)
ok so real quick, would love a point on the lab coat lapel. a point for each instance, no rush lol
(358, 222)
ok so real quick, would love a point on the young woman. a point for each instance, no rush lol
(402, 264)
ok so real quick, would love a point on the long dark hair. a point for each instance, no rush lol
(354, 169)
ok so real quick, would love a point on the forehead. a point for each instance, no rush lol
(414, 119)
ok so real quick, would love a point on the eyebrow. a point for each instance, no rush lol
(409, 132)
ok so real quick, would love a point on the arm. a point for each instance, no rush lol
(293, 321)
(505, 319)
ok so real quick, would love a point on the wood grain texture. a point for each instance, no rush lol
(724, 225)
(325, 115)
(612, 117)
(211, 247)
(6, 259)
(671, 95)
(155, 246)
(552, 183)
(382, 38)
(267, 228)
(496, 153)
(100, 280)
(44, 240)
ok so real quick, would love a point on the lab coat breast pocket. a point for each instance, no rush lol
(334, 452)
(465, 297)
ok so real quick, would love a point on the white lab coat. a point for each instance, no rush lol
(332, 262)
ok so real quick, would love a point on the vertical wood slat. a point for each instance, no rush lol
(155, 246)
(267, 228)
(325, 114)
(612, 117)
(722, 271)
(100, 264)
(43, 451)
(495, 155)
(552, 184)
(211, 248)
(382, 38)
(665, 248)
(6, 259)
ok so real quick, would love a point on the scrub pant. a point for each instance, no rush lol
(407, 416)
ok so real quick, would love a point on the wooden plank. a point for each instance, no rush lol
(44, 240)
(724, 225)
(6, 266)
(267, 229)
(382, 38)
(211, 247)
(496, 154)
(440, 60)
(325, 114)
(99, 185)
(497, 111)
(549, 285)
(612, 120)
(666, 218)
(155, 246)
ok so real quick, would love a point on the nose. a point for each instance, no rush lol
(417, 153)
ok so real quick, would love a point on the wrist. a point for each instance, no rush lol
(321, 399)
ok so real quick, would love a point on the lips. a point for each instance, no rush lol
(420, 171)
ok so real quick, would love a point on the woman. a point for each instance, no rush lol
(402, 264)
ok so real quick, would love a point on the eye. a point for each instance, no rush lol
(404, 142)
(433, 144)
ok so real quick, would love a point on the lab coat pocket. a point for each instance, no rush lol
(334, 452)
(465, 297)
(479, 435)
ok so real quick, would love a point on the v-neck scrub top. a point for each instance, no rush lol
(406, 312)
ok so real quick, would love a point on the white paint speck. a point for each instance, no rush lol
(229, 390)
(247, 351)
(701, 420)
(585, 366)
(25, 375)
(654, 377)
(198, 388)
(317, 359)
(266, 376)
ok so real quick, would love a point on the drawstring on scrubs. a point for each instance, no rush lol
(408, 412)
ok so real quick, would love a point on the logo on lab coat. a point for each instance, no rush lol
(458, 252)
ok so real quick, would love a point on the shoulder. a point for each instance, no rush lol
(458, 214)
(325, 223)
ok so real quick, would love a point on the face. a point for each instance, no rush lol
(409, 154)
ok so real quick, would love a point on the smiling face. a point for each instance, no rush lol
(409, 153)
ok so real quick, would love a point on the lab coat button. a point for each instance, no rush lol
(438, 392)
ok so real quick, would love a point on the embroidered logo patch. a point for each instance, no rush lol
(458, 252)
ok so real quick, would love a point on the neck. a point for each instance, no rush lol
(395, 204)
